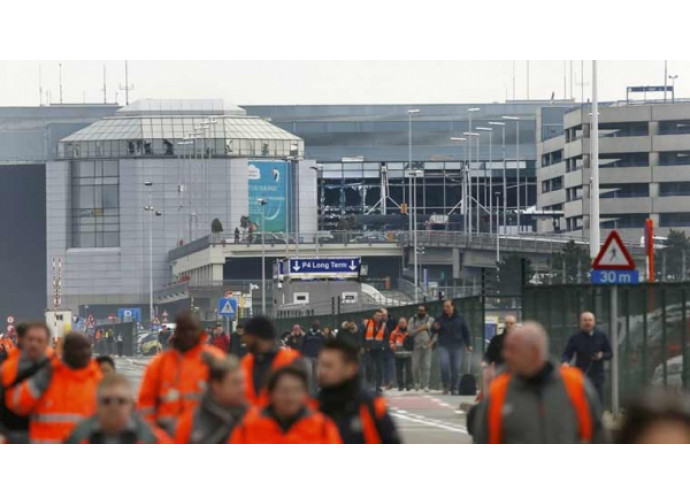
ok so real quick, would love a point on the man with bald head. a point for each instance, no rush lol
(589, 347)
(535, 400)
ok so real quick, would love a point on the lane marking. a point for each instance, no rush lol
(421, 419)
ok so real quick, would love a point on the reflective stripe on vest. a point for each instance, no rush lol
(369, 335)
(574, 384)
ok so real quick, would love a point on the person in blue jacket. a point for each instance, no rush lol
(591, 348)
(453, 336)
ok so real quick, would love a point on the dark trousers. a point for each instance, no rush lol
(599, 387)
(374, 368)
(403, 372)
(450, 357)
(120, 345)
(388, 365)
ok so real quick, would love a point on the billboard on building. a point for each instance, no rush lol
(269, 180)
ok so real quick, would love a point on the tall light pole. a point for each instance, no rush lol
(262, 202)
(491, 187)
(505, 183)
(463, 206)
(414, 174)
(469, 135)
(410, 113)
(594, 231)
(517, 167)
(316, 169)
(469, 164)
(152, 211)
(498, 235)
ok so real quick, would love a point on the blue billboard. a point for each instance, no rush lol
(269, 180)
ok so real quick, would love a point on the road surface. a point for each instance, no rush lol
(421, 418)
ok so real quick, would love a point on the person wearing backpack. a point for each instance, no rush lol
(402, 344)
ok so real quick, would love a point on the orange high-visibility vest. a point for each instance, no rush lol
(284, 357)
(258, 427)
(369, 334)
(574, 383)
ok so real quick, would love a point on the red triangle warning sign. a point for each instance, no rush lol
(613, 255)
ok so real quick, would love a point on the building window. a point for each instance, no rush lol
(674, 158)
(676, 219)
(624, 191)
(674, 127)
(573, 193)
(623, 221)
(615, 130)
(674, 189)
(95, 204)
(624, 160)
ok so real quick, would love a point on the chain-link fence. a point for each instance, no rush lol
(652, 327)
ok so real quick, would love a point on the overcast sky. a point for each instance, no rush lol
(333, 82)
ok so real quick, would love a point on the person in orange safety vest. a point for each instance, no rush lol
(264, 357)
(115, 421)
(61, 394)
(536, 401)
(288, 418)
(176, 379)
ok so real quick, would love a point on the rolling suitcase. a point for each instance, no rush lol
(468, 382)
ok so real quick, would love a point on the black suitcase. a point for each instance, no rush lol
(468, 382)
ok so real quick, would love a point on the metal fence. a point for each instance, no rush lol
(651, 324)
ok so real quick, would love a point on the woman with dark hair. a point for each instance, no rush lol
(288, 418)
(656, 417)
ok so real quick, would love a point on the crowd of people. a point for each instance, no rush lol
(319, 385)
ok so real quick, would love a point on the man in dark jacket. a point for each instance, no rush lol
(237, 347)
(453, 336)
(375, 340)
(388, 356)
(591, 348)
(493, 357)
(361, 416)
(311, 346)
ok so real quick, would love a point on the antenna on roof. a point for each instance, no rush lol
(105, 92)
(126, 88)
(60, 67)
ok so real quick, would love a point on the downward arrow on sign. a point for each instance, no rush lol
(353, 266)
(296, 267)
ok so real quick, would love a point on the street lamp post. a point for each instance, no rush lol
(491, 206)
(498, 235)
(414, 235)
(410, 113)
(517, 167)
(469, 157)
(262, 202)
(505, 183)
(673, 87)
(152, 211)
(463, 206)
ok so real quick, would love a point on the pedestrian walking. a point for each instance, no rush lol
(237, 235)
(220, 340)
(237, 346)
(328, 333)
(164, 337)
(493, 357)
(360, 415)
(220, 410)
(60, 394)
(349, 331)
(376, 339)
(115, 421)
(311, 346)
(420, 330)
(294, 338)
(175, 379)
(453, 337)
(120, 344)
(401, 344)
(591, 348)
(263, 358)
(388, 356)
(32, 353)
(287, 418)
(537, 401)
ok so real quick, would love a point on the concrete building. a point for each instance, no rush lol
(190, 161)
(28, 139)
(644, 171)
(355, 143)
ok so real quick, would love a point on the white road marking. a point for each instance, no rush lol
(421, 419)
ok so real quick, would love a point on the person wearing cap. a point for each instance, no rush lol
(264, 357)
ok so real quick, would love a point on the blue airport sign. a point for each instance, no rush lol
(615, 277)
(325, 267)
